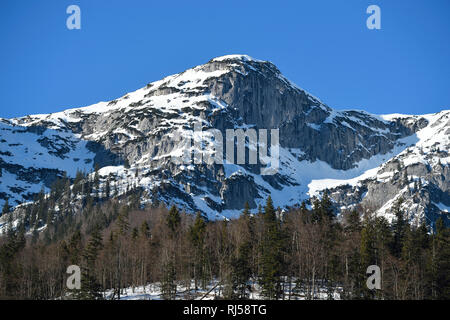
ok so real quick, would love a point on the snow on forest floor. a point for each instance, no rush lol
(214, 290)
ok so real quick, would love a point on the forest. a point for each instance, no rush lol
(287, 254)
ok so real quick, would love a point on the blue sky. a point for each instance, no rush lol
(322, 46)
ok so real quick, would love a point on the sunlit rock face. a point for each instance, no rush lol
(362, 159)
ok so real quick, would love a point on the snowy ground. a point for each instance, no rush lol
(212, 291)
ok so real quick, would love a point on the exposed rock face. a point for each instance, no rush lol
(419, 174)
(316, 143)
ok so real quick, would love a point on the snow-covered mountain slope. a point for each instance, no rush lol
(351, 152)
(32, 156)
(417, 171)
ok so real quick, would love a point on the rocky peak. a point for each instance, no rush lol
(235, 91)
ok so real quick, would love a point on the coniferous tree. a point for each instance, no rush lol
(441, 261)
(367, 243)
(197, 238)
(97, 179)
(168, 285)
(75, 248)
(6, 207)
(317, 211)
(134, 233)
(367, 256)
(10, 268)
(122, 221)
(398, 227)
(271, 254)
(326, 207)
(126, 164)
(169, 271)
(322, 255)
(108, 188)
(145, 230)
(241, 263)
(353, 222)
(90, 288)
(173, 219)
(241, 272)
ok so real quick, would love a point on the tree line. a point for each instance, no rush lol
(301, 253)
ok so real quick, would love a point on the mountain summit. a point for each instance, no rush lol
(360, 158)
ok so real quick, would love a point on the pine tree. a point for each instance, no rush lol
(405, 178)
(398, 227)
(97, 180)
(90, 288)
(77, 183)
(134, 233)
(241, 264)
(441, 261)
(145, 230)
(6, 207)
(173, 219)
(10, 268)
(326, 207)
(303, 208)
(122, 221)
(383, 237)
(168, 285)
(316, 212)
(367, 246)
(126, 164)
(241, 271)
(108, 188)
(271, 254)
(75, 248)
(197, 238)
(168, 289)
(246, 211)
(353, 222)
(409, 249)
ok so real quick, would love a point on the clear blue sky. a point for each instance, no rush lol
(323, 46)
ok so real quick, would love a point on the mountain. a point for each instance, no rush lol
(363, 160)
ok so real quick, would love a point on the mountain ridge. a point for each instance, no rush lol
(233, 91)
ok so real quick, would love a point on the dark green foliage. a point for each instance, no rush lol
(289, 258)
(398, 227)
(145, 230)
(126, 164)
(90, 288)
(441, 261)
(197, 238)
(108, 188)
(241, 262)
(97, 179)
(241, 272)
(271, 253)
(6, 207)
(10, 267)
(353, 222)
(173, 219)
(168, 286)
(122, 221)
(322, 209)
